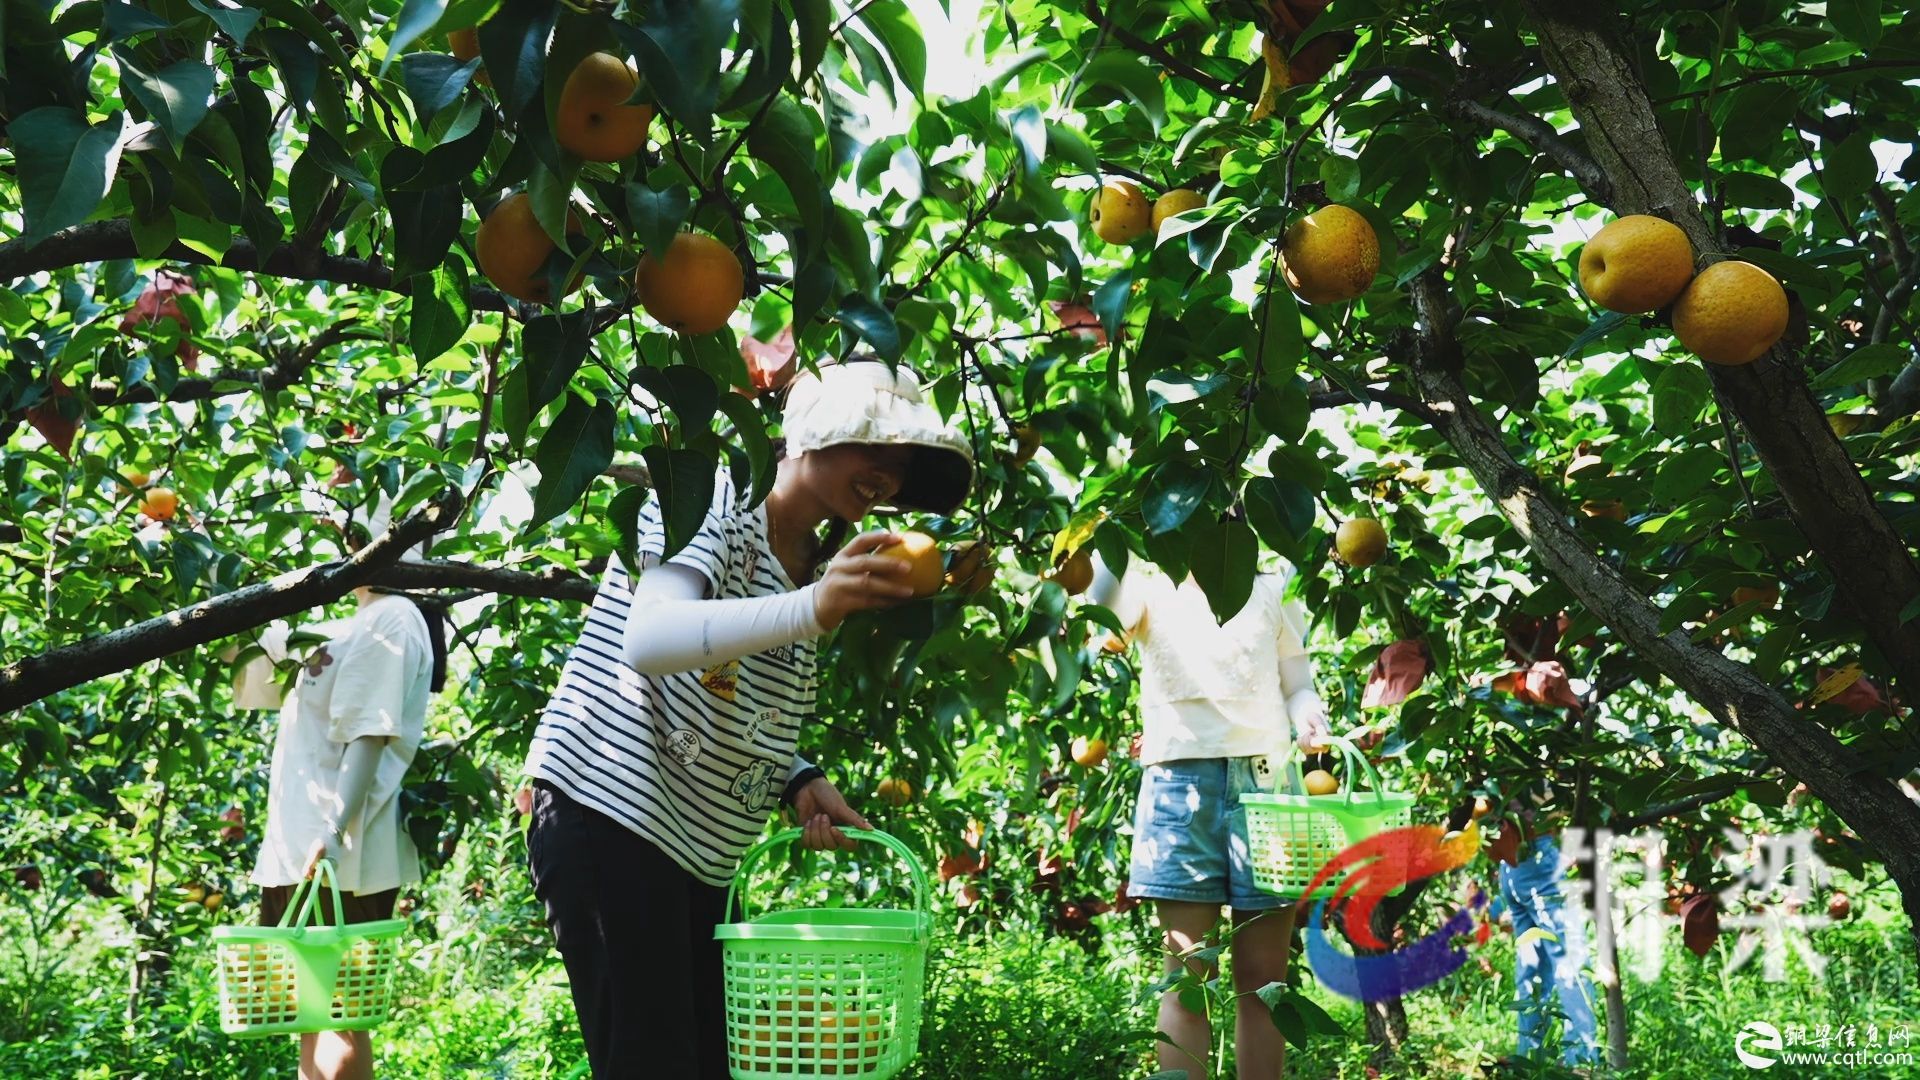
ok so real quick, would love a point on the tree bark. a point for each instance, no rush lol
(1872, 806)
(26, 681)
(99, 241)
(1607, 944)
(1874, 573)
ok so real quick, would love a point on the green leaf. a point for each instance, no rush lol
(751, 430)
(814, 26)
(657, 214)
(237, 22)
(688, 392)
(120, 21)
(435, 80)
(193, 553)
(1132, 76)
(873, 323)
(785, 140)
(1679, 394)
(1071, 144)
(1874, 361)
(299, 66)
(1173, 493)
(438, 316)
(63, 165)
(516, 415)
(1281, 344)
(683, 482)
(1341, 175)
(513, 46)
(678, 46)
(1857, 20)
(894, 25)
(1685, 473)
(553, 348)
(1280, 509)
(425, 223)
(1030, 134)
(1042, 617)
(1750, 126)
(623, 512)
(416, 18)
(1110, 303)
(1848, 167)
(576, 449)
(1224, 557)
(1600, 327)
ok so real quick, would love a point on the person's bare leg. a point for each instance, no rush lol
(1183, 925)
(1261, 942)
(336, 1055)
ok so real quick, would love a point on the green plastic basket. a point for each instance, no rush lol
(1291, 836)
(825, 991)
(304, 976)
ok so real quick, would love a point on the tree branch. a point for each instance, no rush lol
(548, 584)
(1872, 806)
(1155, 50)
(1540, 135)
(26, 681)
(286, 370)
(1872, 568)
(1327, 399)
(99, 241)
(1793, 73)
(1657, 814)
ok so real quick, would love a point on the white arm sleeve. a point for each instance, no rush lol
(1296, 666)
(357, 767)
(1118, 595)
(673, 627)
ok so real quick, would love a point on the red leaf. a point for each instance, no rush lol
(1079, 318)
(1699, 924)
(1399, 671)
(157, 302)
(770, 364)
(1859, 697)
(51, 420)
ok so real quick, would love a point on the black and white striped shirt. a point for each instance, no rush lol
(692, 762)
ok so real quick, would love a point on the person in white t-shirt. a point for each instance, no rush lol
(348, 732)
(671, 737)
(1215, 702)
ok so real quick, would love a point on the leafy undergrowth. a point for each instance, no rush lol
(485, 997)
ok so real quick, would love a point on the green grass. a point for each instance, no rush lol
(484, 996)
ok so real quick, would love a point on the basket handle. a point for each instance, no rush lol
(786, 836)
(305, 893)
(1357, 764)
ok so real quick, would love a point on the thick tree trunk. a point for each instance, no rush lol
(1871, 805)
(1871, 566)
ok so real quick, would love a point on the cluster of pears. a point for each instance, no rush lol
(1122, 213)
(1730, 313)
(1330, 256)
(692, 287)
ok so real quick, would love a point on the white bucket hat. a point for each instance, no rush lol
(867, 401)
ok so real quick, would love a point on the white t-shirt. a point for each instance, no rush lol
(693, 762)
(1209, 690)
(372, 679)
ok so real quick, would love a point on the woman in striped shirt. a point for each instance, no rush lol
(671, 736)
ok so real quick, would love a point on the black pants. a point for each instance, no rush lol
(636, 932)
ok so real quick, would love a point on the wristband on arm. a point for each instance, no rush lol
(800, 780)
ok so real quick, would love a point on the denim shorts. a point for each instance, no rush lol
(1190, 835)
